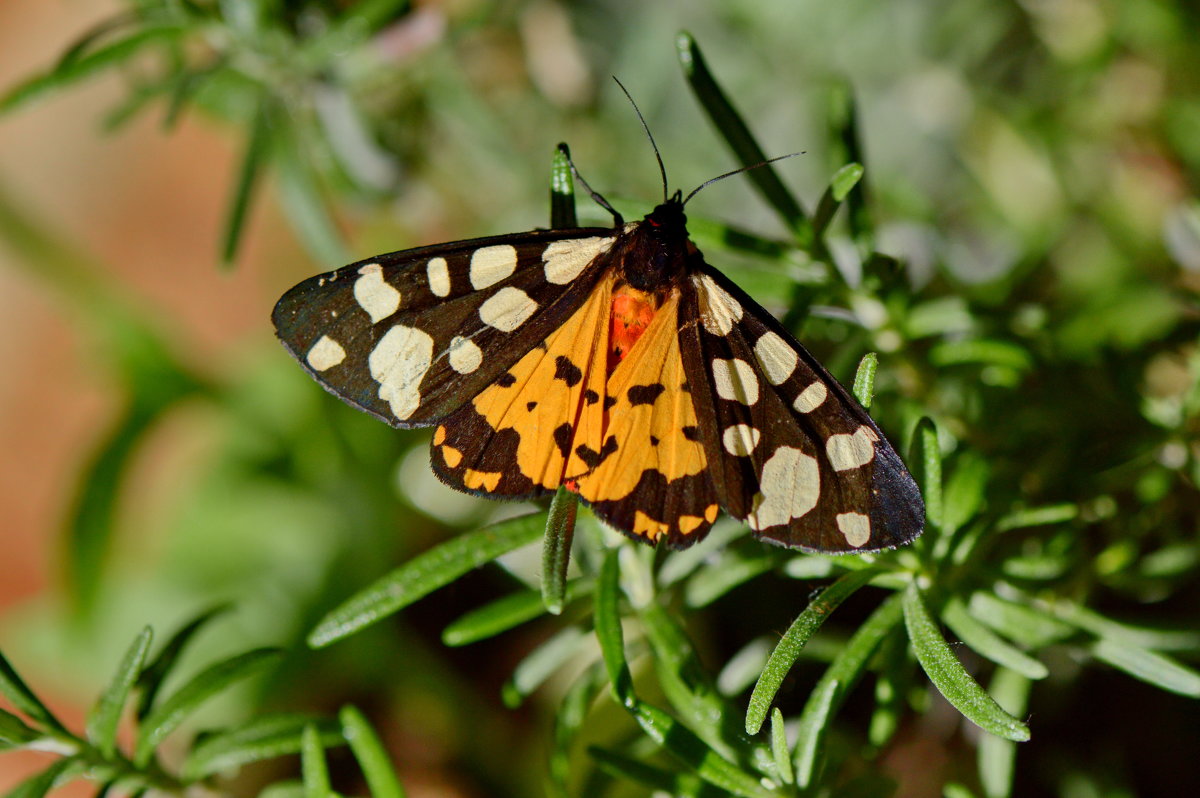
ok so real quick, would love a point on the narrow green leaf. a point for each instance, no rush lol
(264, 737)
(38, 785)
(713, 580)
(1148, 666)
(541, 663)
(247, 180)
(846, 147)
(843, 673)
(92, 517)
(927, 457)
(685, 682)
(608, 629)
(978, 351)
(424, 574)
(106, 714)
(843, 181)
(626, 768)
(1123, 633)
(997, 756)
(1038, 516)
(572, 713)
(313, 766)
(372, 757)
(152, 675)
(864, 379)
(811, 733)
(950, 677)
(305, 208)
(562, 191)
(956, 790)
(964, 492)
(556, 549)
(13, 731)
(794, 639)
(890, 686)
(81, 67)
(23, 700)
(1021, 622)
(780, 750)
(737, 135)
(985, 642)
(504, 614)
(679, 741)
(167, 716)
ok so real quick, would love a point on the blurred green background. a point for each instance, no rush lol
(1032, 165)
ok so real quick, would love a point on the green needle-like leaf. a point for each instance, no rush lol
(314, 768)
(843, 181)
(793, 640)
(40, 784)
(864, 379)
(556, 549)
(675, 738)
(1148, 666)
(927, 459)
(14, 689)
(661, 781)
(152, 676)
(167, 716)
(997, 756)
(504, 614)
(839, 679)
(104, 717)
(424, 574)
(13, 731)
(541, 664)
(75, 69)
(608, 629)
(779, 748)
(737, 135)
(247, 180)
(265, 737)
(985, 642)
(372, 757)
(562, 191)
(811, 733)
(950, 677)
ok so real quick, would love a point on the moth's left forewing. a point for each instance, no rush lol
(409, 336)
(790, 451)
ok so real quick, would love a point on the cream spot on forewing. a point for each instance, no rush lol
(811, 397)
(490, 265)
(789, 487)
(325, 354)
(374, 294)
(438, 272)
(398, 363)
(851, 451)
(465, 355)
(507, 309)
(718, 310)
(740, 439)
(566, 260)
(855, 527)
(778, 360)
(735, 380)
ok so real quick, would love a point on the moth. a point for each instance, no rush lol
(617, 363)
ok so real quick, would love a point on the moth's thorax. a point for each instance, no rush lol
(654, 252)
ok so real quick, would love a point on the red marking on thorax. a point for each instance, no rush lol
(632, 311)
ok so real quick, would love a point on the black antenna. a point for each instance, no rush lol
(738, 172)
(662, 170)
(618, 220)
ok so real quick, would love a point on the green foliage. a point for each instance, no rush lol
(1039, 367)
(97, 756)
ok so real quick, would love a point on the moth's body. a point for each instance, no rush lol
(617, 363)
